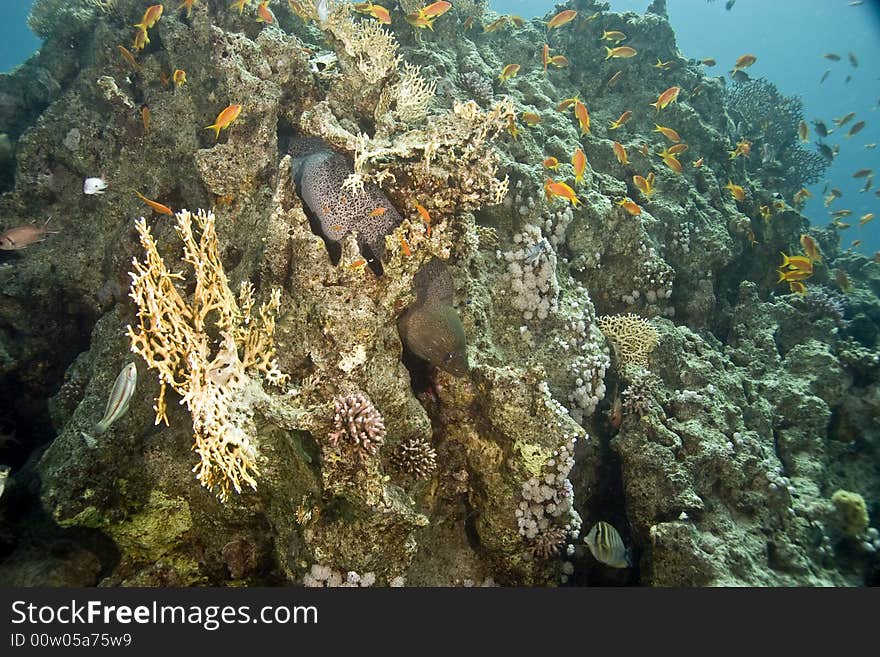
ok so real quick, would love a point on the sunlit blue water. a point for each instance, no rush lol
(788, 36)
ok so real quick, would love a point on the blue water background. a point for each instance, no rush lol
(789, 38)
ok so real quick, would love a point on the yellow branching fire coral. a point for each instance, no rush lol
(633, 337)
(215, 378)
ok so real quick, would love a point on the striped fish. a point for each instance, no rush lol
(607, 546)
(117, 404)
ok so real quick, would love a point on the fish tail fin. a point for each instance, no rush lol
(609, 52)
(90, 441)
(657, 105)
(215, 128)
(781, 275)
(785, 259)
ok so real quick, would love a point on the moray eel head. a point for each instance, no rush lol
(435, 333)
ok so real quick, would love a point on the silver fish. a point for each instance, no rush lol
(4, 475)
(117, 404)
(607, 546)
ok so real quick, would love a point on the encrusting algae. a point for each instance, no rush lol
(455, 357)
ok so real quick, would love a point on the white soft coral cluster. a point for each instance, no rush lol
(530, 276)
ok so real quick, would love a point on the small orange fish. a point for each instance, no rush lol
(565, 104)
(744, 62)
(145, 117)
(378, 212)
(224, 200)
(179, 77)
(792, 275)
(623, 118)
(663, 66)
(188, 4)
(417, 20)
(579, 162)
(495, 25)
(743, 148)
(435, 9)
(666, 98)
(551, 162)
(624, 52)
(613, 35)
(357, 264)
(141, 39)
(423, 213)
(669, 133)
(801, 195)
(644, 185)
(158, 207)
(620, 153)
(583, 116)
(404, 245)
(468, 23)
(225, 117)
(614, 78)
(264, 14)
(865, 218)
(797, 287)
(697, 164)
(630, 206)
(509, 71)
(545, 57)
(560, 189)
(736, 191)
(801, 263)
(240, 4)
(677, 149)
(808, 244)
(127, 56)
(560, 19)
(803, 131)
(559, 61)
(708, 62)
(766, 212)
(530, 118)
(378, 12)
(670, 161)
(151, 17)
(753, 240)
(855, 244)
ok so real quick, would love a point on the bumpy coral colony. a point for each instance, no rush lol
(421, 397)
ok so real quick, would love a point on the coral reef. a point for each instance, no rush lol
(437, 336)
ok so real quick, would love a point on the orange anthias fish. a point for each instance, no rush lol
(620, 153)
(552, 188)
(583, 116)
(145, 117)
(179, 77)
(551, 162)
(378, 212)
(677, 149)
(560, 19)
(630, 206)
(743, 148)
(565, 104)
(225, 117)
(614, 78)
(620, 52)
(151, 17)
(709, 61)
(736, 191)
(663, 66)
(240, 4)
(158, 207)
(417, 20)
(530, 118)
(376, 11)
(509, 71)
(423, 213)
(579, 162)
(792, 275)
(264, 14)
(141, 39)
(357, 264)
(497, 24)
(127, 56)
(188, 4)
(404, 245)
(545, 56)
(613, 35)
(797, 287)
(808, 244)
(842, 280)
(865, 218)
(666, 98)
(435, 9)
(744, 62)
(670, 160)
(623, 118)
(645, 185)
(803, 131)
(559, 61)
(697, 164)
(669, 133)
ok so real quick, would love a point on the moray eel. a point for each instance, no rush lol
(319, 173)
(431, 327)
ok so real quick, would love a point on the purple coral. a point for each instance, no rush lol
(359, 423)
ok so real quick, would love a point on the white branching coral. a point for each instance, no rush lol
(373, 48)
(217, 382)
(408, 98)
(633, 337)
